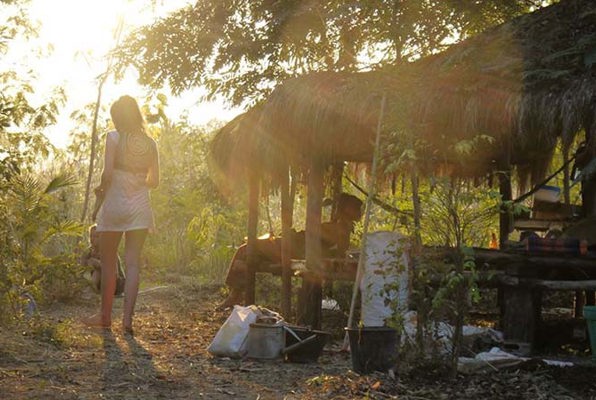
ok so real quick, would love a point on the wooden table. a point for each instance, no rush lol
(520, 277)
(525, 276)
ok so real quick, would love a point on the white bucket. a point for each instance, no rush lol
(265, 341)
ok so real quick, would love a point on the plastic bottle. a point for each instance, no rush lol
(494, 243)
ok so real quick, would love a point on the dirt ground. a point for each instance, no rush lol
(55, 357)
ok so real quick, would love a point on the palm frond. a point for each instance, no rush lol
(59, 182)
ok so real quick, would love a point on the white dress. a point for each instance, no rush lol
(127, 204)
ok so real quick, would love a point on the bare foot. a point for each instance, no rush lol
(96, 321)
(127, 327)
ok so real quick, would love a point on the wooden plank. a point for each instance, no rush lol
(549, 284)
(536, 224)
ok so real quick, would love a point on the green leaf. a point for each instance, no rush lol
(59, 182)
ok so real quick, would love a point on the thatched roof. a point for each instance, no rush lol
(525, 84)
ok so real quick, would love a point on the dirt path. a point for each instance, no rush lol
(167, 357)
(58, 358)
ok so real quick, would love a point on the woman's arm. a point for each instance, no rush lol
(108, 166)
(153, 172)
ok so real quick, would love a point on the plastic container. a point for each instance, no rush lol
(549, 194)
(309, 348)
(265, 341)
(373, 348)
(590, 316)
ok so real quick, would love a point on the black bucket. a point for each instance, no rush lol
(307, 351)
(373, 348)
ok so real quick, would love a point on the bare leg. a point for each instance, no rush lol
(235, 280)
(108, 247)
(133, 245)
(109, 262)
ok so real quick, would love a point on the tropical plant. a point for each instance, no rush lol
(37, 256)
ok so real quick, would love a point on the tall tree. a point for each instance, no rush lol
(21, 121)
(240, 49)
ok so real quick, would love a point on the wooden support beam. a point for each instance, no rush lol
(548, 284)
(501, 260)
(251, 244)
(287, 207)
(505, 223)
(311, 293)
(521, 315)
(337, 174)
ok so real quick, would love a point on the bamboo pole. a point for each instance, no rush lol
(371, 194)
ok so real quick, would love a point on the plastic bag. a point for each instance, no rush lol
(231, 339)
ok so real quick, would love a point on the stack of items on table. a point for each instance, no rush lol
(559, 246)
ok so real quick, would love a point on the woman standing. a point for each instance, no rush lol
(131, 168)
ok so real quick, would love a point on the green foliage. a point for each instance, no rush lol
(37, 251)
(34, 239)
(197, 229)
(241, 49)
(457, 214)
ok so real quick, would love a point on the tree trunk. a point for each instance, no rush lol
(93, 154)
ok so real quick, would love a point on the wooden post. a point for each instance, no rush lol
(251, 244)
(521, 315)
(311, 293)
(417, 209)
(505, 215)
(504, 224)
(287, 207)
(337, 173)
(566, 176)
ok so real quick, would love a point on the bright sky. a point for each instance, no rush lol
(81, 33)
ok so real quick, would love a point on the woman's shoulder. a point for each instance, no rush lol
(113, 136)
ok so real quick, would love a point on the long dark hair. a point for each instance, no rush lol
(127, 116)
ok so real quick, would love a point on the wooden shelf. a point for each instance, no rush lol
(541, 225)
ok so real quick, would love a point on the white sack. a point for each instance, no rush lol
(386, 266)
(230, 340)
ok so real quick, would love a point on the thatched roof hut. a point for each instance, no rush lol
(311, 115)
(524, 84)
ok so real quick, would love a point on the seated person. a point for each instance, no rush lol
(91, 259)
(335, 241)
